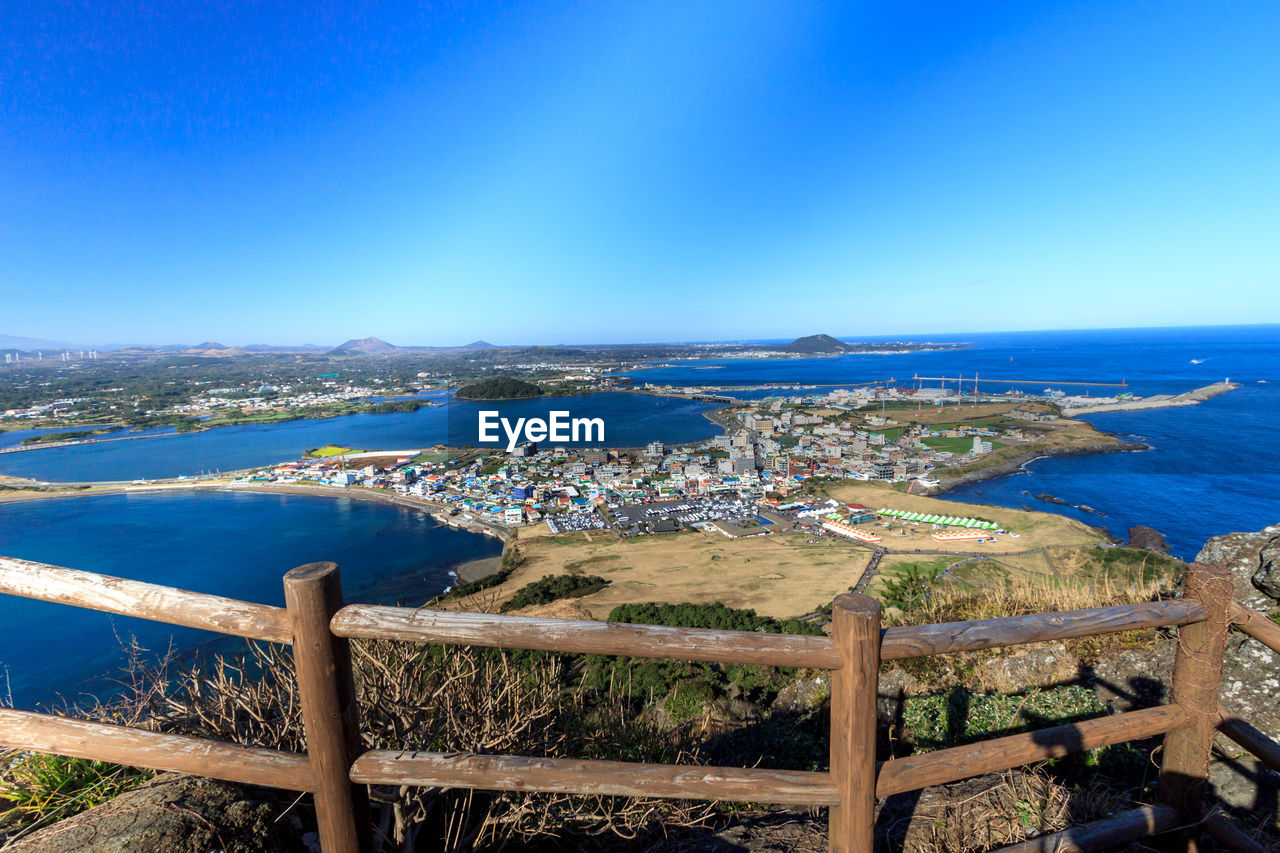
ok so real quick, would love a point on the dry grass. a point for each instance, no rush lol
(950, 602)
(449, 699)
(991, 812)
(953, 602)
(779, 575)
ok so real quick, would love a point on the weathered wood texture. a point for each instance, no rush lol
(1232, 837)
(1256, 625)
(1262, 747)
(605, 778)
(330, 715)
(584, 636)
(1103, 834)
(855, 628)
(144, 600)
(1197, 671)
(989, 756)
(920, 640)
(155, 751)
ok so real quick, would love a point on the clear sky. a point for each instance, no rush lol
(579, 172)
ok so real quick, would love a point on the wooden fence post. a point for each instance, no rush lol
(855, 628)
(1197, 671)
(312, 594)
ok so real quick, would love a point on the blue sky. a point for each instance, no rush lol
(578, 172)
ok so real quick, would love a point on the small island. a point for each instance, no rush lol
(498, 388)
(818, 344)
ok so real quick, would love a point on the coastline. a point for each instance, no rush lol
(436, 511)
(1018, 461)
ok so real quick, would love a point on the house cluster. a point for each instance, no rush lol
(54, 408)
(746, 482)
(265, 397)
(798, 440)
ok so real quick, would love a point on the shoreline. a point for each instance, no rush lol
(1018, 462)
(436, 512)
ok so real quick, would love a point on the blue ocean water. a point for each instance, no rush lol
(1212, 468)
(231, 544)
(630, 420)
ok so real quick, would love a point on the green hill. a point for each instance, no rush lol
(817, 343)
(498, 388)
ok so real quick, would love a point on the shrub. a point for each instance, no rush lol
(552, 588)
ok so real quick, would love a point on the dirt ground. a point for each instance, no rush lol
(780, 575)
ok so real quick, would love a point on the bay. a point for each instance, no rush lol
(226, 543)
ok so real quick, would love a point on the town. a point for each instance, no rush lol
(754, 479)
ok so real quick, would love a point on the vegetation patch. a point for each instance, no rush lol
(1127, 565)
(70, 435)
(326, 451)
(38, 789)
(553, 588)
(498, 388)
(947, 719)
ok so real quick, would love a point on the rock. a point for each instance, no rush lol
(176, 814)
(1251, 682)
(1140, 678)
(810, 690)
(894, 687)
(1267, 577)
(1148, 539)
(1251, 557)
(1137, 678)
(1024, 669)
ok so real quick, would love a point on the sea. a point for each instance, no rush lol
(631, 420)
(1206, 470)
(226, 543)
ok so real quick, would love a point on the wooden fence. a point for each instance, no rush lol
(336, 769)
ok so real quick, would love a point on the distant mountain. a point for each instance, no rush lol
(284, 348)
(363, 346)
(210, 345)
(30, 344)
(480, 345)
(818, 344)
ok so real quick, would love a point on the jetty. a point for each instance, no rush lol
(1158, 401)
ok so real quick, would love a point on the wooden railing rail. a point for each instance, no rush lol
(154, 751)
(335, 771)
(991, 756)
(582, 636)
(613, 778)
(144, 600)
(946, 637)
(1256, 625)
(1112, 832)
(1257, 743)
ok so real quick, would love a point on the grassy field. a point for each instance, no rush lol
(779, 576)
(327, 451)
(1035, 529)
(956, 445)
